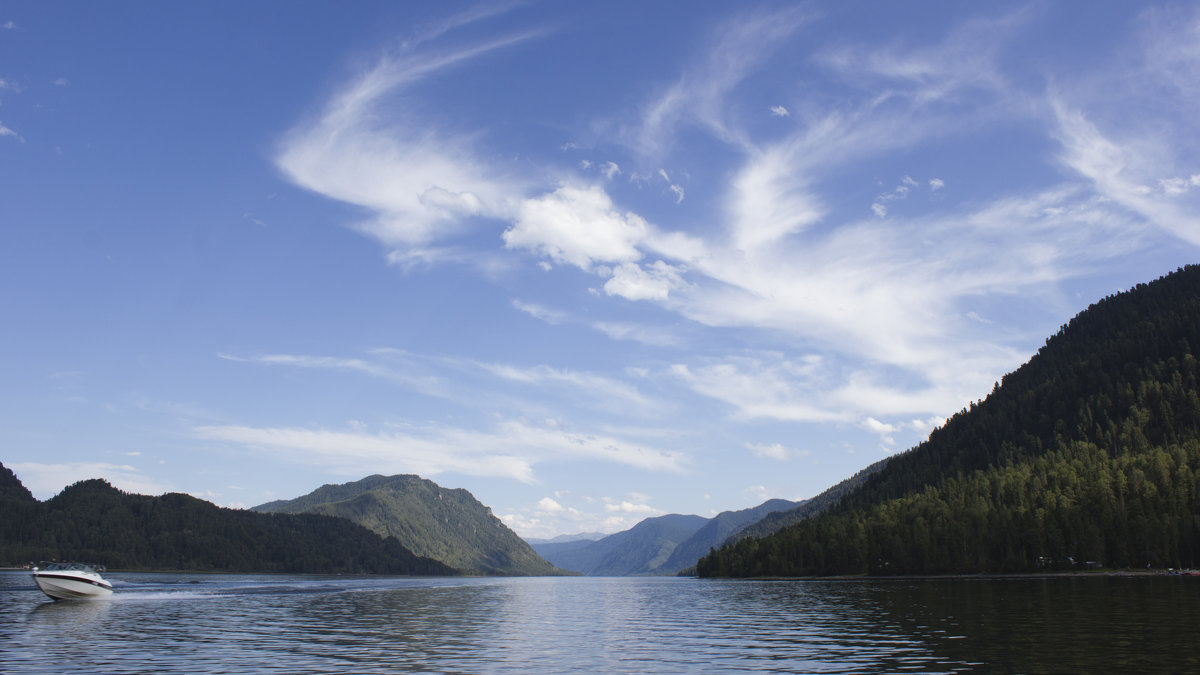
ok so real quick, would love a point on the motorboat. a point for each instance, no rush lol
(71, 580)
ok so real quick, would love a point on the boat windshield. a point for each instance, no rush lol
(70, 567)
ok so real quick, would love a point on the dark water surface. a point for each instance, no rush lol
(198, 623)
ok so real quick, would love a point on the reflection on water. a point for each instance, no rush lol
(260, 623)
(1081, 625)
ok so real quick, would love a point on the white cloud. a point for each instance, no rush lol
(5, 131)
(549, 517)
(770, 450)
(886, 300)
(651, 282)
(541, 313)
(356, 454)
(1179, 186)
(699, 96)
(757, 389)
(648, 335)
(625, 506)
(62, 82)
(925, 426)
(594, 386)
(779, 111)
(884, 430)
(901, 191)
(756, 493)
(875, 426)
(441, 377)
(419, 182)
(395, 366)
(1118, 171)
(578, 226)
(9, 25)
(975, 316)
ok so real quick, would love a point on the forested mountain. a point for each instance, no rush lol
(566, 538)
(92, 520)
(662, 545)
(12, 489)
(1090, 452)
(433, 521)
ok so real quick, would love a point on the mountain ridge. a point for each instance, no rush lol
(446, 524)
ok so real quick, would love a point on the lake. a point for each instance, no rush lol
(190, 623)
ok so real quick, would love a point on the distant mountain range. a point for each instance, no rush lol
(656, 546)
(449, 525)
(566, 538)
(773, 522)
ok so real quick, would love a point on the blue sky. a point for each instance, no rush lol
(593, 262)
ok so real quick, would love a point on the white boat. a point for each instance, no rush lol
(70, 581)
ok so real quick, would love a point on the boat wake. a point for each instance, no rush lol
(137, 592)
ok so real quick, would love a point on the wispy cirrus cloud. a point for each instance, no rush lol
(5, 131)
(510, 450)
(776, 451)
(595, 386)
(397, 367)
(889, 303)
(465, 380)
(417, 180)
(701, 95)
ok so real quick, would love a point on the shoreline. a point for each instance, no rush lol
(990, 576)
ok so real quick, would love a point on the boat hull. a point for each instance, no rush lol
(71, 587)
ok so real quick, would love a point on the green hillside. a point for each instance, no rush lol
(1088, 453)
(433, 521)
(92, 520)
